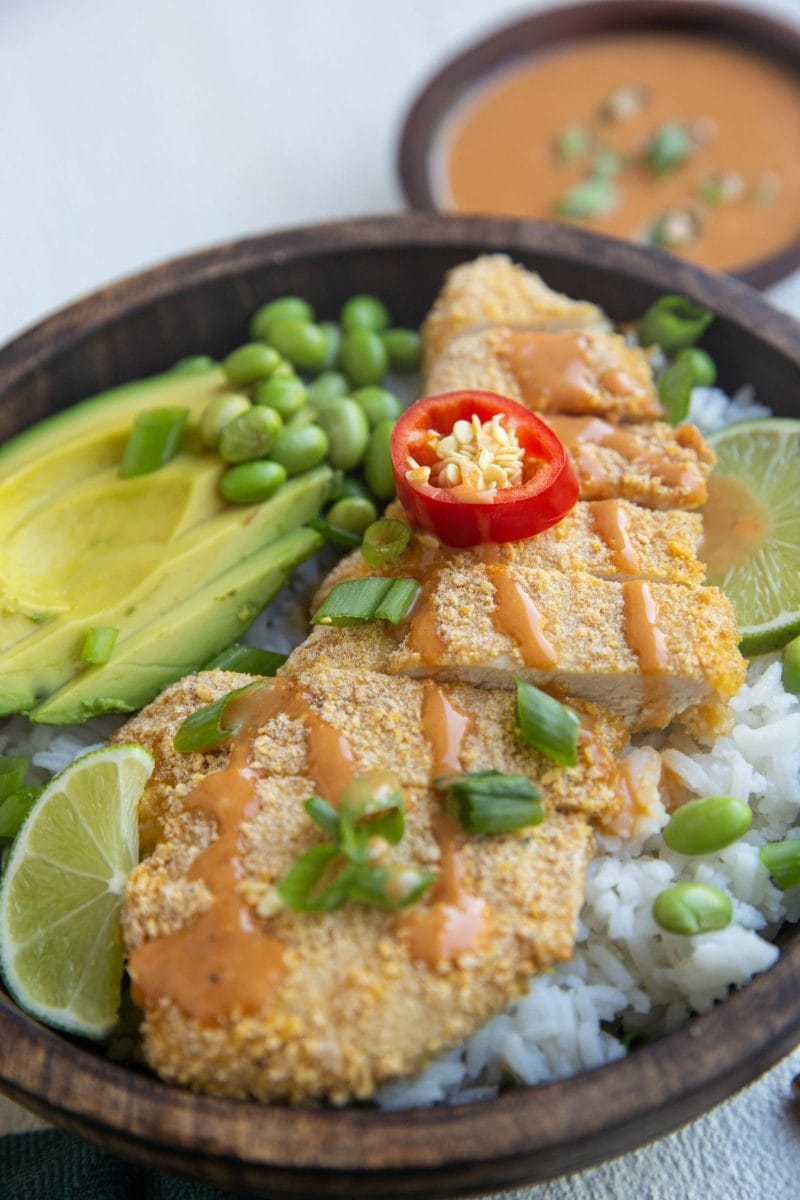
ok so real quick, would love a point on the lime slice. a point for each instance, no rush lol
(751, 543)
(60, 946)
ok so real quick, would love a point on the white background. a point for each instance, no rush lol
(134, 130)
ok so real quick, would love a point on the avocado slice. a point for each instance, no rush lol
(138, 586)
(183, 639)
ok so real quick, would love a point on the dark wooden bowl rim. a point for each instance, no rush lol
(755, 31)
(526, 1133)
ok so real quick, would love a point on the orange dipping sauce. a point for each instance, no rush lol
(519, 144)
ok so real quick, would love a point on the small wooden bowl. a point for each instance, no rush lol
(419, 145)
(201, 304)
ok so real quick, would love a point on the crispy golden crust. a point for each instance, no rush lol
(483, 360)
(492, 290)
(355, 1007)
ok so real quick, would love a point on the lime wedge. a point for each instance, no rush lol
(60, 946)
(751, 542)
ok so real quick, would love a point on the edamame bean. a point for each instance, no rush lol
(327, 386)
(218, 413)
(284, 370)
(252, 482)
(250, 435)
(378, 461)
(791, 666)
(348, 485)
(303, 343)
(347, 427)
(278, 310)
(691, 908)
(334, 335)
(703, 826)
(703, 367)
(364, 312)
(378, 403)
(286, 396)
(352, 513)
(251, 362)
(403, 347)
(782, 860)
(194, 364)
(363, 357)
(300, 448)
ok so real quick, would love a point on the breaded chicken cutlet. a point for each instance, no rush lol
(360, 995)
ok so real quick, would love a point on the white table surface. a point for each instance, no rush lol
(134, 131)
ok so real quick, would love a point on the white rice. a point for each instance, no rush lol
(627, 974)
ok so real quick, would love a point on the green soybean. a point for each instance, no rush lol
(252, 482)
(286, 396)
(250, 435)
(702, 365)
(193, 365)
(782, 860)
(378, 403)
(348, 485)
(378, 461)
(218, 413)
(352, 513)
(251, 362)
(703, 826)
(278, 310)
(673, 322)
(334, 335)
(299, 448)
(363, 357)
(327, 386)
(791, 666)
(347, 427)
(364, 312)
(691, 908)
(404, 348)
(303, 343)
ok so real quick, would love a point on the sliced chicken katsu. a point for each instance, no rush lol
(568, 371)
(244, 997)
(492, 290)
(651, 464)
(611, 539)
(650, 652)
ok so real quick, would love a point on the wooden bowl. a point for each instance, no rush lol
(201, 304)
(419, 144)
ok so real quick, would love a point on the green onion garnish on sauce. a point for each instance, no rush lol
(547, 725)
(592, 198)
(154, 440)
(356, 601)
(668, 148)
(335, 536)
(207, 727)
(490, 802)
(384, 540)
(572, 142)
(99, 643)
(250, 660)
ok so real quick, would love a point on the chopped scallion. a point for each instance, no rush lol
(673, 322)
(250, 660)
(356, 601)
(99, 643)
(384, 541)
(572, 142)
(668, 148)
(547, 725)
(490, 802)
(206, 728)
(591, 198)
(154, 440)
(324, 815)
(675, 390)
(299, 888)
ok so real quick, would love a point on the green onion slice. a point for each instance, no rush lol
(99, 643)
(572, 142)
(592, 198)
(371, 806)
(12, 773)
(356, 601)
(547, 725)
(782, 860)
(15, 808)
(673, 322)
(334, 535)
(668, 148)
(300, 889)
(394, 887)
(384, 541)
(206, 728)
(324, 815)
(675, 391)
(250, 660)
(490, 802)
(154, 440)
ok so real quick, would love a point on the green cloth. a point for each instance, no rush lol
(57, 1166)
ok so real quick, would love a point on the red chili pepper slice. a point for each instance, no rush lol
(462, 516)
